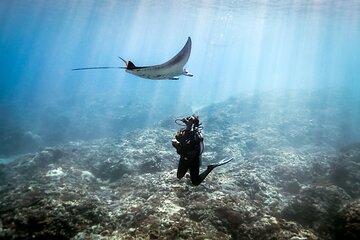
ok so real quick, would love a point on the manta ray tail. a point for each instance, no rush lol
(87, 68)
(126, 63)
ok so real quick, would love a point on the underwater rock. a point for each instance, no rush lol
(317, 208)
(345, 170)
(139, 152)
(348, 222)
(292, 187)
(2, 173)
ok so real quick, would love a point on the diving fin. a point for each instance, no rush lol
(222, 162)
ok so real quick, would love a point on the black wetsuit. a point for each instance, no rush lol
(190, 147)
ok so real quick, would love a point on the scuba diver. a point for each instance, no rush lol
(189, 144)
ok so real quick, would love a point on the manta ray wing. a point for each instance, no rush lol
(168, 70)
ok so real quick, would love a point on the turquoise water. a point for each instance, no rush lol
(239, 47)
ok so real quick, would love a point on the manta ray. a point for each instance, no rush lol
(168, 70)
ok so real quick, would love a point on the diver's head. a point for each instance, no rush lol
(191, 120)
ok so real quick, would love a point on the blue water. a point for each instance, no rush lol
(238, 47)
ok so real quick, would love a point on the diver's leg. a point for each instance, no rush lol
(183, 166)
(196, 179)
(194, 171)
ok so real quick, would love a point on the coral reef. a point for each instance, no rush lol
(345, 170)
(287, 181)
(317, 207)
(348, 222)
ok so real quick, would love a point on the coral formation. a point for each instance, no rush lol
(287, 181)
